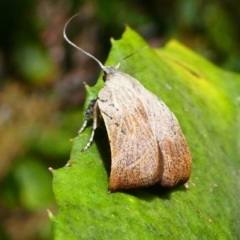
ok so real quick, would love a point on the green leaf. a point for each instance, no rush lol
(205, 100)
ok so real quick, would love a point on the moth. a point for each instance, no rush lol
(147, 144)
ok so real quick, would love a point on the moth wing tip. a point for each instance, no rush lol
(112, 186)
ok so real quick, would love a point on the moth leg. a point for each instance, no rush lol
(95, 115)
(89, 114)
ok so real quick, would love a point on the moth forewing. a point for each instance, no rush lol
(177, 160)
(127, 93)
(136, 157)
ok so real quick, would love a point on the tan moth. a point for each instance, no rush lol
(146, 141)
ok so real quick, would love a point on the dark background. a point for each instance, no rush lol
(41, 90)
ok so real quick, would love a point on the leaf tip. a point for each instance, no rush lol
(51, 169)
(50, 215)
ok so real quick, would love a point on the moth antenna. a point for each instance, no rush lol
(74, 45)
(118, 65)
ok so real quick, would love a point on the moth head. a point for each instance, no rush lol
(108, 70)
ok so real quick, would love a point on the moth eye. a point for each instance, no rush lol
(104, 77)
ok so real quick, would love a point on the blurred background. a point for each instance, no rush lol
(41, 76)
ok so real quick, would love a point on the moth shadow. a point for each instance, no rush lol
(155, 191)
(103, 146)
(145, 193)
